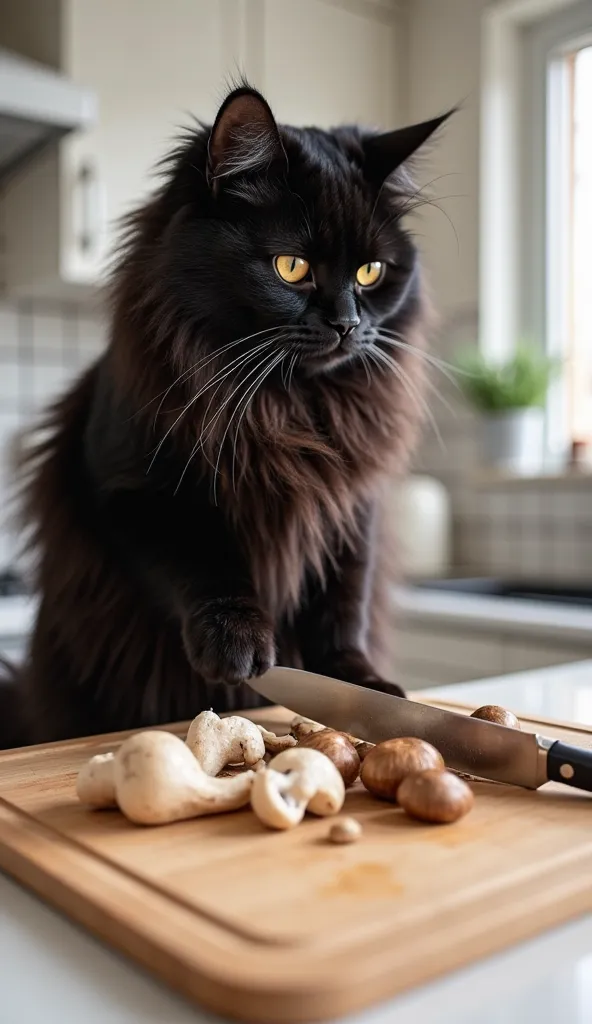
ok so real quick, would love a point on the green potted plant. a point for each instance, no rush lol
(510, 397)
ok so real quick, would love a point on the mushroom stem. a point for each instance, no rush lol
(275, 744)
(156, 780)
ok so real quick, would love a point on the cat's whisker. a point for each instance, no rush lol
(204, 361)
(206, 428)
(224, 372)
(210, 425)
(407, 198)
(398, 215)
(247, 399)
(434, 390)
(203, 437)
(212, 356)
(410, 388)
(433, 364)
(249, 356)
(283, 376)
(364, 361)
(397, 341)
(291, 368)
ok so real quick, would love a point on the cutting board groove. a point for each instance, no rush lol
(268, 927)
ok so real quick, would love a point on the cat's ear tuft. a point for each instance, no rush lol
(385, 152)
(244, 138)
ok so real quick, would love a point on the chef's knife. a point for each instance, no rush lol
(467, 745)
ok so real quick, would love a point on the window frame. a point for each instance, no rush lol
(524, 88)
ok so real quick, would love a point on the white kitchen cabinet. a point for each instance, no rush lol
(152, 64)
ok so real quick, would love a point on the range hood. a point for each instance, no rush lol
(37, 105)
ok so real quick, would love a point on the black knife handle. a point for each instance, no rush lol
(570, 765)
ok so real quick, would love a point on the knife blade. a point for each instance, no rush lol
(468, 745)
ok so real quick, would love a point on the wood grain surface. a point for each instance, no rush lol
(286, 927)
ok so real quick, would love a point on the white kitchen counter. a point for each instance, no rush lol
(567, 623)
(51, 972)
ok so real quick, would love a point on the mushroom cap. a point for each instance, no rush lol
(387, 764)
(339, 749)
(217, 742)
(297, 780)
(345, 830)
(436, 796)
(158, 780)
(499, 715)
(95, 784)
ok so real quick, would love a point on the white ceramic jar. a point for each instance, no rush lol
(423, 523)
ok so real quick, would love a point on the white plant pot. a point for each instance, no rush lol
(513, 440)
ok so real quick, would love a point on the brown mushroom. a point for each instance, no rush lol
(345, 830)
(436, 796)
(301, 727)
(385, 767)
(338, 748)
(501, 716)
(363, 748)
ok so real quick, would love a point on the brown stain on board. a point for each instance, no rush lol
(368, 880)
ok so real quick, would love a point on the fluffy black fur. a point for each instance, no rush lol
(206, 499)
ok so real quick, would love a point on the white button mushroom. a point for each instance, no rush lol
(95, 784)
(297, 780)
(217, 742)
(156, 779)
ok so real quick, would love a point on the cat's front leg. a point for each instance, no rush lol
(190, 562)
(228, 639)
(353, 666)
(333, 625)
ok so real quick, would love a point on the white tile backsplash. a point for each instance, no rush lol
(42, 349)
(9, 380)
(8, 329)
(536, 529)
(47, 335)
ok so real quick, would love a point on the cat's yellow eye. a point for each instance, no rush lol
(292, 269)
(369, 274)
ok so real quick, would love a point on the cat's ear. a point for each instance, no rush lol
(385, 152)
(244, 138)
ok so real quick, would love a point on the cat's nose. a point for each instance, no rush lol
(345, 324)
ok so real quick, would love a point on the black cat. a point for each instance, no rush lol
(206, 500)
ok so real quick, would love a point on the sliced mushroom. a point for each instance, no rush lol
(296, 781)
(217, 742)
(156, 780)
(275, 744)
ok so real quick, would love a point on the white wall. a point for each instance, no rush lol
(443, 69)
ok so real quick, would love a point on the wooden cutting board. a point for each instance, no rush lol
(268, 927)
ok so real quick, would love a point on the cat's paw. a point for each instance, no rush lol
(229, 641)
(353, 667)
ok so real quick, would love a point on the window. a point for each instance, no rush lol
(536, 198)
(579, 300)
(568, 235)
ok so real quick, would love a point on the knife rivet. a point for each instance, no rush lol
(566, 771)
